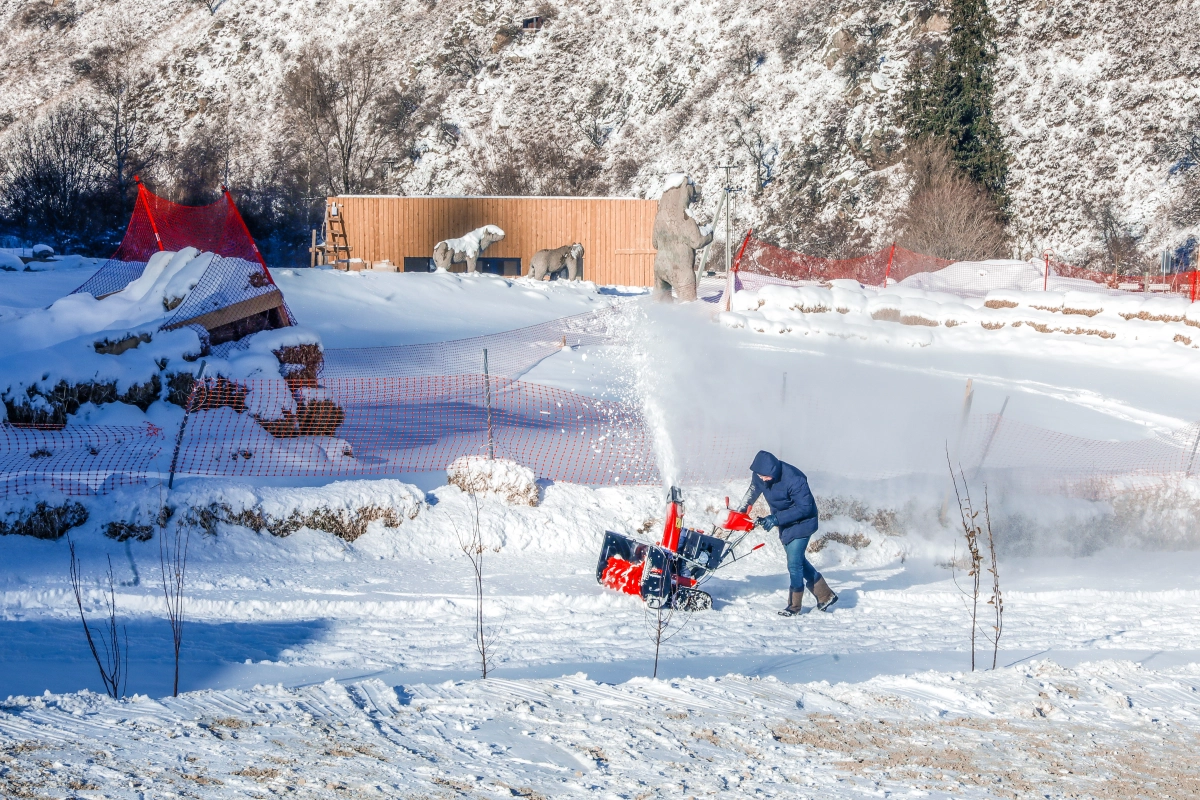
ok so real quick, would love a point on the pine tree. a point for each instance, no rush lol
(949, 97)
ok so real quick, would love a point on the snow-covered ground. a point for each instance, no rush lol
(1097, 694)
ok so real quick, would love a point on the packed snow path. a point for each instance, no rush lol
(1103, 730)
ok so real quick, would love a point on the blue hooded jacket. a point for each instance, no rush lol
(787, 494)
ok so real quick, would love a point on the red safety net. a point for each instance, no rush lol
(765, 263)
(158, 224)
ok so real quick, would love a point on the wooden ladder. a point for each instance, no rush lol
(335, 235)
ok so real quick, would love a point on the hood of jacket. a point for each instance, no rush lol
(766, 464)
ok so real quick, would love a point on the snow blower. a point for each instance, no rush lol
(666, 575)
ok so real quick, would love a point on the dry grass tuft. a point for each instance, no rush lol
(915, 319)
(1000, 304)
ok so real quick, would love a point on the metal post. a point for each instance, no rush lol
(487, 393)
(187, 412)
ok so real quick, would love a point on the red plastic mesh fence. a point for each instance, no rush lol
(159, 224)
(765, 263)
(510, 354)
(381, 426)
(91, 459)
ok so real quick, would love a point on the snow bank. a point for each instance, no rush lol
(915, 313)
(497, 477)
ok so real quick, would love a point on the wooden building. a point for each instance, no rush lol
(615, 232)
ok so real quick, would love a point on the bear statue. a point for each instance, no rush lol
(676, 238)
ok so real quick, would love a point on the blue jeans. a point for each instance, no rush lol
(801, 571)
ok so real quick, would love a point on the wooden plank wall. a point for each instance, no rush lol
(615, 232)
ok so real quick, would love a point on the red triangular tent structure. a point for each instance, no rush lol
(158, 224)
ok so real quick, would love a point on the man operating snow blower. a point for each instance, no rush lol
(794, 513)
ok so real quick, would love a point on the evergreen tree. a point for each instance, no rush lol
(949, 97)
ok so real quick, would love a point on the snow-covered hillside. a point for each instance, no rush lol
(805, 93)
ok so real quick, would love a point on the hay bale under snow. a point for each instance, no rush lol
(498, 477)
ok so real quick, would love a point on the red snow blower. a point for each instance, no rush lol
(666, 575)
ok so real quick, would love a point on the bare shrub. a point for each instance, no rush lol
(126, 531)
(53, 174)
(545, 163)
(976, 536)
(49, 16)
(44, 521)
(948, 215)
(348, 524)
(173, 554)
(112, 652)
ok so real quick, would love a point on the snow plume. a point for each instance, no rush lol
(645, 374)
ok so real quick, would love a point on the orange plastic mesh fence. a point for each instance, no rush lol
(381, 426)
(509, 354)
(765, 263)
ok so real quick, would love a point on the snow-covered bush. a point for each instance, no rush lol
(498, 477)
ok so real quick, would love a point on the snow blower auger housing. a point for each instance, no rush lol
(666, 575)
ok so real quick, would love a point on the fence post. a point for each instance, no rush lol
(487, 394)
(887, 272)
(1194, 275)
(1046, 275)
(187, 412)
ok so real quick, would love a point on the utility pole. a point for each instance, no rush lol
(729, 190)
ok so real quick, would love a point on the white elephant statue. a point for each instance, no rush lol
(547, 262)
(465, 249)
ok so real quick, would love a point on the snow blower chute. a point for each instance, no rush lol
(666, 574)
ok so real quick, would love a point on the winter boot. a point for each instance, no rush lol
(826, 597)
(795, 601)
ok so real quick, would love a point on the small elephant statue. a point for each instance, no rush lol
(547, 262)
(676, 239)
(465, 249)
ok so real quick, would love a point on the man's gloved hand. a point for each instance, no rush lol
(766, 523)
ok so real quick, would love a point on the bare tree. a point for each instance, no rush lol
(948, 215)
(470, 541)
(124, 86)
(545, 164)
(172, 555)
(1121, 251)
(53, 173)
(112, 654)
(211, 5)
(344, 112)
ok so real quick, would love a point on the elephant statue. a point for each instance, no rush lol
(547, 262)
(676, 239)
(465, 249)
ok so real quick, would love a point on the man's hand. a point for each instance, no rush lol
(766, 523)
